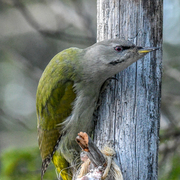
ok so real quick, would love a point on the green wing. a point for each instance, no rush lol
(56, 109)
(54, 102)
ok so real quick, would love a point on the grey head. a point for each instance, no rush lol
(106, 58)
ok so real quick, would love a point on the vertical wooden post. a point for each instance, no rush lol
(129, 115)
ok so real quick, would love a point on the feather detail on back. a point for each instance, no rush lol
(54, 103)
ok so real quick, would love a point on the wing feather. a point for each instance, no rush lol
(56, 109)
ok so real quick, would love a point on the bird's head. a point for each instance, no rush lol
(106, 58)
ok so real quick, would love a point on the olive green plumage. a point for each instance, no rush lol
(55, 96)
(67, 95)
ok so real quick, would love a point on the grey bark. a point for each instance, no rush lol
(129, 115)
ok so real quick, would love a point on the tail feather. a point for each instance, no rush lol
(45, 164)
(47, 160)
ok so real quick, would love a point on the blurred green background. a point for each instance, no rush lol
(31, 33)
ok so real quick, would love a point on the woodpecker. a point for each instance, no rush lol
(67, 94)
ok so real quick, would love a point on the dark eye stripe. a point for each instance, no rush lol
(126, 47)
(121, 48)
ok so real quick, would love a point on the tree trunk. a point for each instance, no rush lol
(129, 115)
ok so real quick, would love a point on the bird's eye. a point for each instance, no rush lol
(118, 48)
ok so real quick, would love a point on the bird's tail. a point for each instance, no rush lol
(45, 164)
(47, 160)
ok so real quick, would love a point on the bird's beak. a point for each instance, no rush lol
(143, 50)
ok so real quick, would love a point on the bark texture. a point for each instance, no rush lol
(129, 115)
